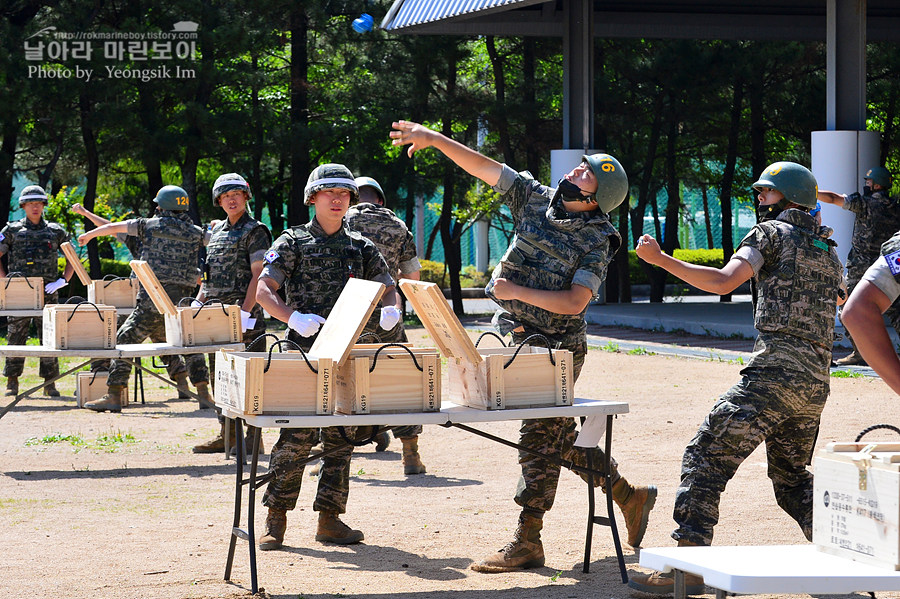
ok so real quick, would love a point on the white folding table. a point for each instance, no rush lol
(451, 415)
(776, 569)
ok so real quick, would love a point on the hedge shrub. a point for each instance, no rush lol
(713, 258)
(107, 267)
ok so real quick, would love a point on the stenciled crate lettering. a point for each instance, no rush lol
(21, 293)
(395, 385)
(79, 326)
(856, 509)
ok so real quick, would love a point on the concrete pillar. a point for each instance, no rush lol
(482, 245)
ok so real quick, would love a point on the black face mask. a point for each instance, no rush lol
(570, 191)
(771, 212)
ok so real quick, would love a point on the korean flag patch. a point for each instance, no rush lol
(271, 256)
(893, 261)
(2, 237)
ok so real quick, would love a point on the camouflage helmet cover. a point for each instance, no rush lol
(879, 175)
(330, 176)
(370, 182)
(612, 182)
(33, 193)
(172, 197)
(795, 182)
(229, 182)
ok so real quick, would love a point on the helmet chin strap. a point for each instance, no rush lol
(772, 211)
(573, 193)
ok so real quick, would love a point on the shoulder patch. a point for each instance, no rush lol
(893, 261)
(271, 256)
(2, 237)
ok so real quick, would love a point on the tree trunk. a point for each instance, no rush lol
(7, 163)
(298, 213)
(532, 156)
(619, 286)
(728, 174)
(451, 243)
(757, 124)
(89, 138)
(499, 115)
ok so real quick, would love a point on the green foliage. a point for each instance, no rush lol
(640, 351)
(847, 374)
(713, 258)
(436, 272)
(107, 267)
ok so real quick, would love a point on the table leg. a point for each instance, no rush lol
(680, 587)
(236, 531)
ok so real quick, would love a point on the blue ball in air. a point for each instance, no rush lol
(364, 23)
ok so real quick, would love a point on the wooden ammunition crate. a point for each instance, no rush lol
(283, 383)
(491, 379)
(79, 326)
(187, 326)
(92, 385)
(856, 498)
(121, 293)
(250, 383)
(404, 379)
(21, 293)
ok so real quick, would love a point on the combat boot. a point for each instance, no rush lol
(248, 438)
(660, 583)
(181, 383)
(412, 463)
(50, 389)
(524, 551)
(112, 401)
(853, 359)
(382, 441)
(635, 503)
(206, 400)
(332, 530)
(12, 385)
(276, 524)
(217, 444)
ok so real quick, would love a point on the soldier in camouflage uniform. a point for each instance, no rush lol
(313, 262)
(390, 235)
(170, 244)
(33, 247)
(796, 274)
(877, 218)
(234, 259)
(555, 265)
(876, 293)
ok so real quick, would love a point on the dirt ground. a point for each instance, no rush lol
(117, 506)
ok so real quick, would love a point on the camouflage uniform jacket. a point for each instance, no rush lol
(797, 274)
(229, 254)
(877, 218)
(389, 234)
(33, 249)
(313, 267)
(170, 243)
(552, 250)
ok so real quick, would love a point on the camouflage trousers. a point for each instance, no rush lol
(536, 489)
(146, 322)
(17, 334)
(293, 446)
(772, 406)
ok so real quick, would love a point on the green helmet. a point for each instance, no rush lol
(879, 175)
(172, 197)
(370, 182)
(612, 182)
(795, 182)
(229, 182)
(33, 193)
(331, 176)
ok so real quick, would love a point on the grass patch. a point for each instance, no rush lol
(640, 351)
(610, 347)
(108, 442)
(847, 374)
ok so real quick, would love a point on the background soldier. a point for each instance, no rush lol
(543, 284)
(313, 262)
(877, 218)
(783, 389)
(234, 259)
(33, 247)
(377, 222)
(170, 243)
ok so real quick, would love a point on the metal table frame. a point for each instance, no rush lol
(132, 352)
(450, 415)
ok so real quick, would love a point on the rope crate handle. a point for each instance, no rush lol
(262, 338)
(401, 346)
(281, 342)
(110, 279)
(875, 427)
(10, 276)
(208, 302)
(83, 303)
(491, 334)
(524, 343)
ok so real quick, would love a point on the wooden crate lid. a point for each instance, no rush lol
(149, 281)
(860, 451)
(347, 319)
(442, 324)
(72, 258)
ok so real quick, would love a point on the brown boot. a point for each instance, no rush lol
(332, 530)
(181, 383)
(276, 524)
(635, 503)
(524, 551)
(112, 401)
(12, 385)
(660, 583)
(248, 438)
(382, 441)
(217, 444)
(50, 390)
(206, 400)
(412, 463)
(854, 359)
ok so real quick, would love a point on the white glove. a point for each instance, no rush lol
(55, 285)
(305, 324)
(247, 322)
(195, 303)
(390, 316)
